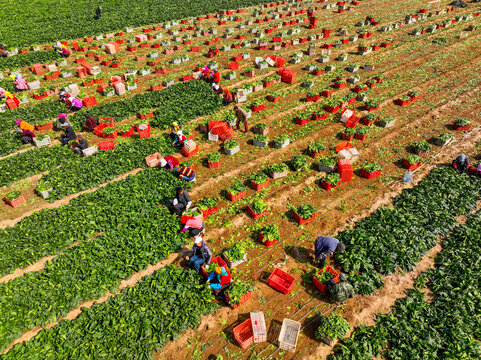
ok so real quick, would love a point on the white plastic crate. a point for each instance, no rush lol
(90, 151)
(289, 334)
(213, 137)
(258, 327)
(190, 146)
(44, 142)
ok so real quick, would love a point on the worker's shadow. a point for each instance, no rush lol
(274, 331)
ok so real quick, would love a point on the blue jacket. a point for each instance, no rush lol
(204, 252)
(325, 245)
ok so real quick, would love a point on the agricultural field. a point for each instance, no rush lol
(343, 99)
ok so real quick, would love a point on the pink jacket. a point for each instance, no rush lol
(21, 84)
(77, 103)
(66, 51)
(195, 223)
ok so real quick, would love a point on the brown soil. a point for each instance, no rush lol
(448, 92)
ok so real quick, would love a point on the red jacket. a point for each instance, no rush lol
(217, 76)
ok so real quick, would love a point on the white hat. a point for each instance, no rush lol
(179, 132)
(216, 87)
(70, 99)
(163, 162)
(198, 240)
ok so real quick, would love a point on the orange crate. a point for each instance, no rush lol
(282, 281)
(243, 334)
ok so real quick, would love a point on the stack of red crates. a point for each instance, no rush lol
(288, 76)
(344, 168)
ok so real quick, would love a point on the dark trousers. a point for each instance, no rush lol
(227, 102)
(196, 262)
(246, 127)
(27, 140)
(178, 208)
(64, 139)
(74, 108)
(321, 262)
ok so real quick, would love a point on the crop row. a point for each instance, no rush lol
(33, 162)
(141, 236)
(82, 173)
(180, 102)
(31, 114)
(9, 143)
(399, 237)
(448, 327)
(28, 59)
(48, 231)
(116, 16)
(130, 325)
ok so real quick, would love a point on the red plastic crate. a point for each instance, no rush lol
(189, 154)
(255, 215)
(320, 286)
(216, 260)
(236, 197)
(258, 187)
(106, 145)
(267, 243)
(302, 221)
(213, 165)
(208, 212)
(327, 186)
(15, 202)
(244, 298)
(370, 175)
(47, 126)
(98, 129)
(243, 334)
(409, 166)
(282, 281)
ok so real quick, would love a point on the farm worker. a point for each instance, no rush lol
(174, 128)
(185, 173)
(180, 138)
(24, 125)
(2, 93)
(57, 46)
(27, 136)
(228, 98)
(167, 164)
(63, 96)
(199, 255)
(61, 119)
(20, 83)
(325, 246)
(181, 201)
(9, 95)
(3, 51)
(461, 163)
(216, 77)
(65, 52)
(241, 115)
(194, 224)
(82, 144)
(341, 291)
(217, 89)
(69, 134)
(74, 103)
(219, 279)
(90, 123)
(98, 13)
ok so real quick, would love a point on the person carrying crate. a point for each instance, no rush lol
(325, 246)
(219, 279)
(341, 291)
(199, 255)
